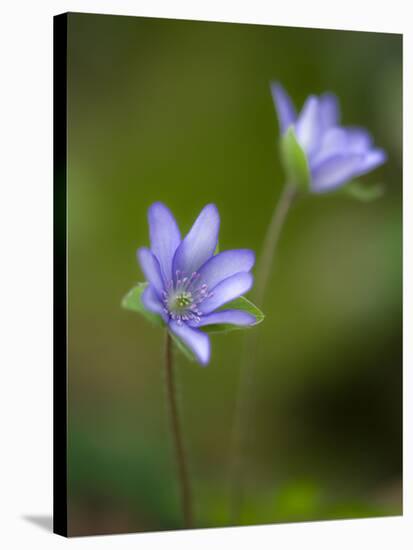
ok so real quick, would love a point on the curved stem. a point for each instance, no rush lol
(244, 390)
(177, 436)
(271, 239)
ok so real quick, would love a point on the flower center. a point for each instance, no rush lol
(183, 296)
(183, 300)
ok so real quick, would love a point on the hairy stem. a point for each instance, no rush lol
(244, 391)
(185, 489)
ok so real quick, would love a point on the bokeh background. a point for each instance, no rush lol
(180, 111)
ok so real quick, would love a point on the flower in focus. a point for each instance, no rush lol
(188, 283)
(335, 154)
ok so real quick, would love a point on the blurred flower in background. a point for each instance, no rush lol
(335, 154)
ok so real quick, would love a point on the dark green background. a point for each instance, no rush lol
(180, 111)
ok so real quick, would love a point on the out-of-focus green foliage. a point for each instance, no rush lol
(363, 193)
(181, 112)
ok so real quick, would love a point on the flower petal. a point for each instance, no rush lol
(335, 171)
(227, 290)
(340, 141)
(358, 140)
(308, 126)
(284, 106)
(200, 243)
(227, 317)
(151, 301)
(373, 159)
(333, 142)
(150, 267)
(165, 237)
(197, 341)
(225, 264)
(329, 110)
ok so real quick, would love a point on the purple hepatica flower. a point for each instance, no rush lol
(188, 283)
(335, 154)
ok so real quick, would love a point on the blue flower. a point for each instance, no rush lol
(335, 154)
(188, 283)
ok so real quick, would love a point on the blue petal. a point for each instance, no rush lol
(358, 140)
(150, 267)
(339, 141)
(333, 142)
(200, 243)
(227, 290)
(197, 341)
(151, 301)
(373, 159)
(283, 106)
(335, 171)
(329, 110)
(227, 317)
(309, 127)
(225, 264)
(165, 237)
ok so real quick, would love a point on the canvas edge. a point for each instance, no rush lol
(60, 519)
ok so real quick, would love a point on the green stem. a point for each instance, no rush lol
(185, 489)
(244, 390)
(272, 237)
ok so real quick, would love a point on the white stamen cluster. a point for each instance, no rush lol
(183, 296)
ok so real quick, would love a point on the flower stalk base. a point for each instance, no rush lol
(184, 484)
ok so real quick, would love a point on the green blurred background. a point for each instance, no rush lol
(181, 112)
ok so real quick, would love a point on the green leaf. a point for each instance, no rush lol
(362, 192)
(242, 304)
(295, 161)
(133, 302)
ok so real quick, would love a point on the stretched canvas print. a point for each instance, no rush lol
(228, 274)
